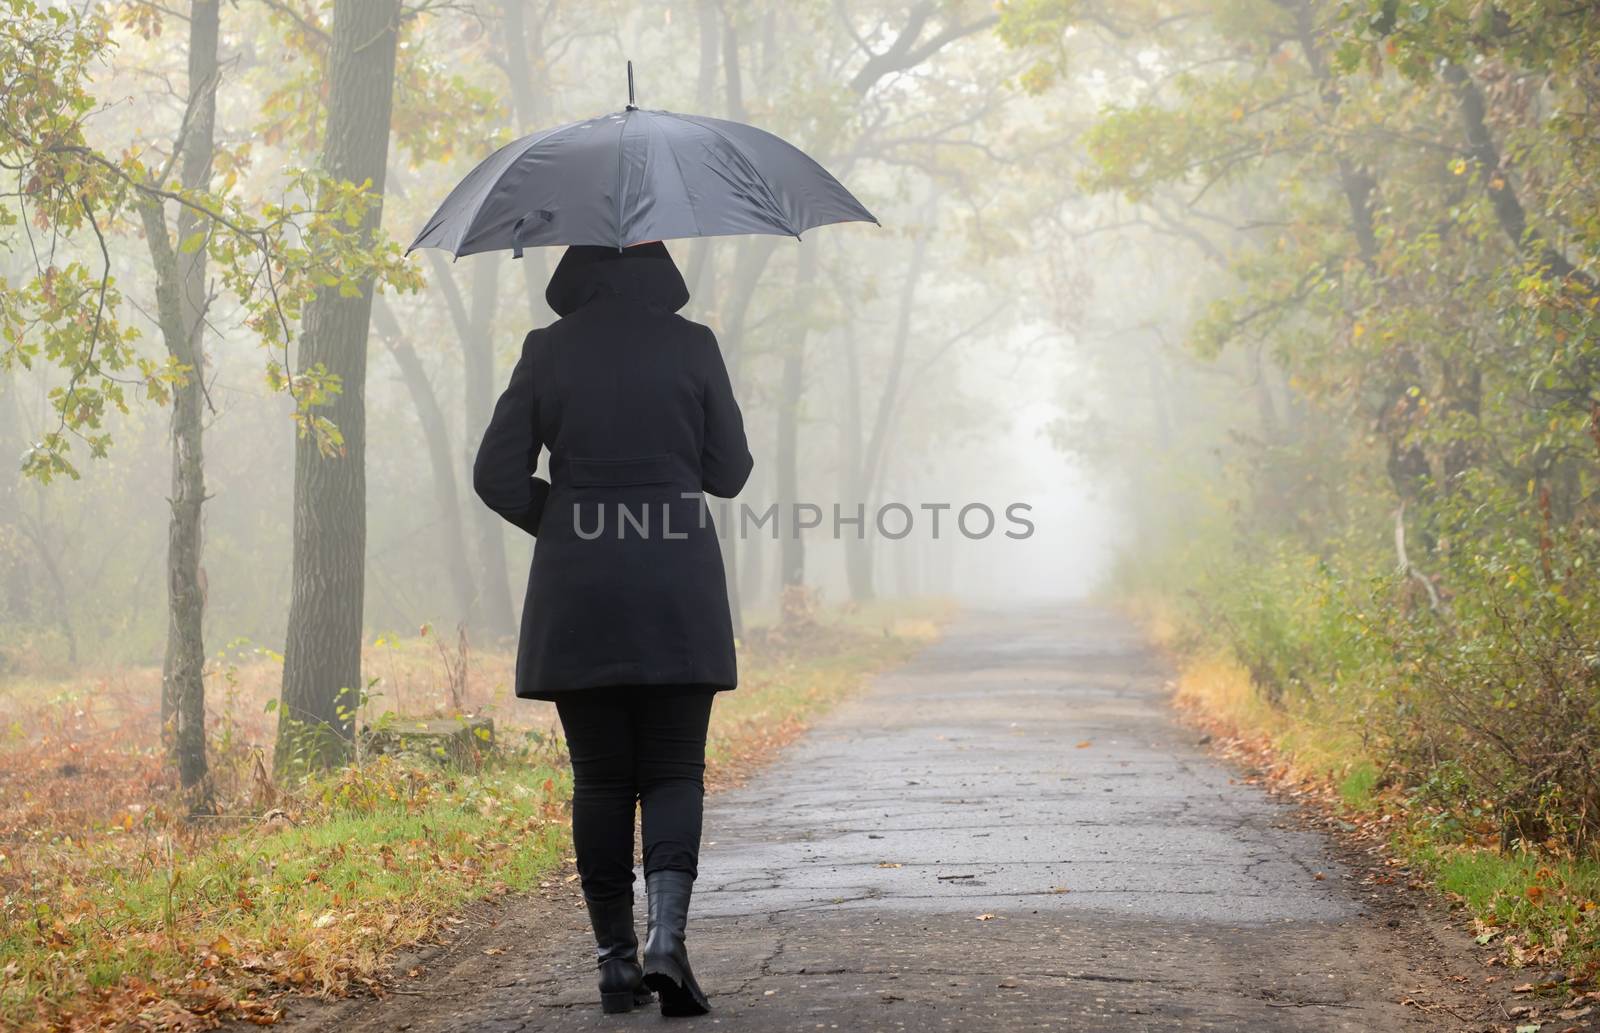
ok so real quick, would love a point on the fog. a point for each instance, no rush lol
(1246, 349)
(1125, 286)
(939, 150)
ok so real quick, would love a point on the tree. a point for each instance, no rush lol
(65, 319)
(181, 305)
(472, 318)
(1403, 198)
(322, 657)
(441, 457)
(926, 29)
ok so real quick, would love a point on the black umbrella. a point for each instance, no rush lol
(634, 176)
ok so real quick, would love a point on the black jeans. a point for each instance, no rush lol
(635, 743)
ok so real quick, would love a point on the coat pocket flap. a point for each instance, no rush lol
(605, 473)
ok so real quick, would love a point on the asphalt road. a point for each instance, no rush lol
(1010, 833)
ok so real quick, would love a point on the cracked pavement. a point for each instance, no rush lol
(1009, 833)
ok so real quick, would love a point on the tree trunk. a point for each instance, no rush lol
(857, 542)
(181, 304)
(36, 528)
(494, 588)
(883, 421)
(871, 458)
(322, 657)
(495, 611)
(1407, 463)
(792, 551)
(1508, 210)
(492, 612)
(710, 18)
(752, 558)
(13, 581)
(1160, 393)
(897, 57)
(728, 528)
(858, 559)
(529, 89)
(751, 256)
(440, 458)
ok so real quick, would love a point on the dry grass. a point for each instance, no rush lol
(1216, 691)
(1540, 910)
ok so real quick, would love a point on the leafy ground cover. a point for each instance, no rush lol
(116, 913)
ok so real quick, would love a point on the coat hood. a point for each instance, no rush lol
(643, 272)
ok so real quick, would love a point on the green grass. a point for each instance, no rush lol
(1359, 785)
(1552, 904)
(374, 864)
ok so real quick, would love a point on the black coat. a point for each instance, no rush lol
(635, 406)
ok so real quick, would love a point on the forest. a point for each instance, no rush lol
(1281, 316)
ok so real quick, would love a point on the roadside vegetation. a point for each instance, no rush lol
(1361, 432)
(1531, 899)
(117, 908)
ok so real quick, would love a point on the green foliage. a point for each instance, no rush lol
(65, 314)
(1507, 687)
(437, 109)
(272, 256)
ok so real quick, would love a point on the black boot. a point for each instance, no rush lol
(617, 954)
(666, 960)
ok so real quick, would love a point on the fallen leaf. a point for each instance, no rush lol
(985, 917)
(493, 951)
(1085, 744)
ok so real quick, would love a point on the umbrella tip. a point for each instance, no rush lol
(631, 105)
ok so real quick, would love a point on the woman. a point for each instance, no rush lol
(626, 624)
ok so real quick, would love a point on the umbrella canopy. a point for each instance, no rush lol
(635, 176)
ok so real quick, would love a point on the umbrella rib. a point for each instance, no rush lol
(688, 195)
(622, 139)
(734, 146)
(466, 229)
